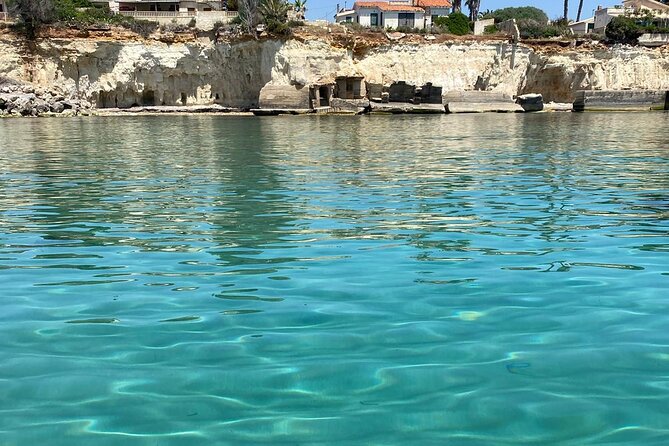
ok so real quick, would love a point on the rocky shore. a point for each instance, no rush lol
(26, 100)
(71, 75)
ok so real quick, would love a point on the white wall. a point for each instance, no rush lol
(365, 16)
(604, 16)
(391, 19)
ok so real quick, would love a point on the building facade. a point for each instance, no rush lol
(395, 13)
(205, 13)
(603, 16)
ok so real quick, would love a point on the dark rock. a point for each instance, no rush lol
(57, 107)
(531, 102)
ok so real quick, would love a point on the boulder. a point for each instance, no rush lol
(531, 102)
(57, 107)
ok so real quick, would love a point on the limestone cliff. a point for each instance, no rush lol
(120, 73)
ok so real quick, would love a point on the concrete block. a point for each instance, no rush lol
(621, 100)
(401, 92)
(429, 94)
(374, 91)
(284, 97)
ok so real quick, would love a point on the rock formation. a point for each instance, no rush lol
(122, 73)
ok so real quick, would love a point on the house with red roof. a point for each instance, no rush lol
(395, 13)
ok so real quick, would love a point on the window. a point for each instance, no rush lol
(374, 19)
(406, 19)
(349, 19)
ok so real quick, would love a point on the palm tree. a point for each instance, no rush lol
(457, 5)
(300, 8)
(580, 10)
(566, 9)
(274, 11)
(474, 6)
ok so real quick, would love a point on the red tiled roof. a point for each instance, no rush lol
(434, 3)
(383, 6)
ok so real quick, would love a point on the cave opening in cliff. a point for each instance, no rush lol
(324, 96)
(148, 98)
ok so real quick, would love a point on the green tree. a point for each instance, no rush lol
(623, 29)
(456, 23)
(275, 15)
(527, 12)
(300, 8)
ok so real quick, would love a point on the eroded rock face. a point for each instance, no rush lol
(559, 76)
(113, 73)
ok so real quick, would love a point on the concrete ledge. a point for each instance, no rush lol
(653, 40)
(349, 106)
(621, 100)
(558, 107)
(401, 107)
(483, 107)
(281, 111)
(475, 96)
(213, 108)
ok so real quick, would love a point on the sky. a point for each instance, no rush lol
(325, 9)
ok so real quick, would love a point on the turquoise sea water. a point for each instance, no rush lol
(450, 280)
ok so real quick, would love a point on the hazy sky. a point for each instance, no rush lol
(321, 9)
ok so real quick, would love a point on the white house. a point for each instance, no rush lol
(395, 13)
(205, 13)
(583, 27)
(603, 16)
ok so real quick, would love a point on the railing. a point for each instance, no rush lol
(4, 17)
(176, 14)
(154, 14)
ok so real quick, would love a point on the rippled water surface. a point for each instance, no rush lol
(456, 280)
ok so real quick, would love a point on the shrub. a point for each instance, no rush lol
(274, 26)
(142, 27)
(456, 23)
(491, 29)
(295, 23)
(522, 13)
(623, 30)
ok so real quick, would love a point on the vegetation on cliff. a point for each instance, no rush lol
(456, 23)
(33, 14)
(532, 22)
(628, 29)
